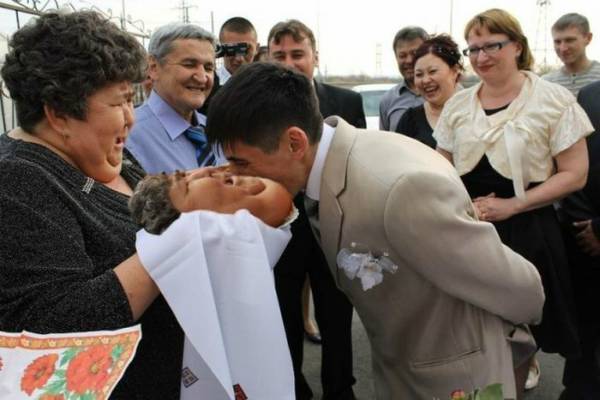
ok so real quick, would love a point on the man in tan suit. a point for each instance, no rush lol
(439, 295)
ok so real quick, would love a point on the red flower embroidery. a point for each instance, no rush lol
(89, 370)
(38, 372)
(52, 397)
(458, 394)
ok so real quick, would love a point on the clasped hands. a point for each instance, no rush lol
(492, 209)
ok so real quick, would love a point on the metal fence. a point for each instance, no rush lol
(16, 14)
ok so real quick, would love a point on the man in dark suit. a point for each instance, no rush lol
(581, 218)
(293, 43)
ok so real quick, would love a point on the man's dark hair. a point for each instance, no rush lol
(60, 60)
(259, 103)
(238, 25)
(292, 27)
(408, 34)
(572, 20)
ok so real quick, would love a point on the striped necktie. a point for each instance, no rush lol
(204, 155)
(312, 212)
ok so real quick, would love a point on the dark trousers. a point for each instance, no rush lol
(333, 312)
(582, 375)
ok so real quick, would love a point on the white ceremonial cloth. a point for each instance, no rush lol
(215, 271)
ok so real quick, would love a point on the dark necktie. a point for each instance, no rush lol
(312, 212)
(204, 155)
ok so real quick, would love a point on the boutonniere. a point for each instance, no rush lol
(491, 392)
(360, 262)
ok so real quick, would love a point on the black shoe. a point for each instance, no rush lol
(313, 337)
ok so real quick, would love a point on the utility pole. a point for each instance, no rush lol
(123, 16)
(378, 53)
(542, 24)
(451, 16)
(185, 11)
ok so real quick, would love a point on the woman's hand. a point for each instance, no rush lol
(586, 239)
(491, 208)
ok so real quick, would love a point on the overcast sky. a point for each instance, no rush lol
(349, 33)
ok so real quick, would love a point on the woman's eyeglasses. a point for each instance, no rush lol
(489, 48)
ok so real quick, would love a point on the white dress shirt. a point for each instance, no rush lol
(223, 74)
(313, 186)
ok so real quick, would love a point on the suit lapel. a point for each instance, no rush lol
(333, 183)
(326, 101)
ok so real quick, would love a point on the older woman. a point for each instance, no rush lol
(437, 70)
(67, 241)
(518, 143)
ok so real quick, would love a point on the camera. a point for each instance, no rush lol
(232, 49)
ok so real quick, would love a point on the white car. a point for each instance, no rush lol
(371, 96)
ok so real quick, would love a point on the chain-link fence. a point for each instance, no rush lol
(17, 13)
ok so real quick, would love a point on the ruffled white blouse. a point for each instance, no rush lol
(520, 141)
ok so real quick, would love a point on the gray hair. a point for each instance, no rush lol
(572, 20)
(151, 206)
(160, 44)
(408, 34)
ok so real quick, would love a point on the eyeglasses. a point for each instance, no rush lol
(489, 48)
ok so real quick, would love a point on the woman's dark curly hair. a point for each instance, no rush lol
(443, 47)
(59, 60)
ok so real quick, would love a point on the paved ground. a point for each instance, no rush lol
(549, 389)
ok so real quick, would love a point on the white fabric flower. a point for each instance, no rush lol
(359, 262)
(370, 274)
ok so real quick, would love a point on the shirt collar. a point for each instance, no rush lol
(224, 74)
(173, 123)
(313, 186)
(404, 87)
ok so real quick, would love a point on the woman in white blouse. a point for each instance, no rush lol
(518, 143)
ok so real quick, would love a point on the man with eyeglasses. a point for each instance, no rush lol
(169, 132)
(402, 96)
(571, 35)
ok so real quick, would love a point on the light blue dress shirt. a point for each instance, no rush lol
(157, 140)
(394, 103)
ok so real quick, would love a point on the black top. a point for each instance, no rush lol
(535, 235)
(414, 124)
(61, 235)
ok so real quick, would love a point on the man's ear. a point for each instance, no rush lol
(588, 38)
(297, 142)
(153, 68)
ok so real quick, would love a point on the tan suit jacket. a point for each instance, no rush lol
(444, 320)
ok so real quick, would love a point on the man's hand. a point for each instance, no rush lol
(587, 241)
